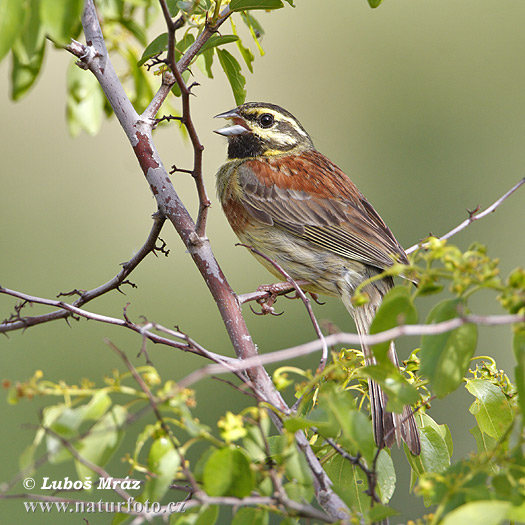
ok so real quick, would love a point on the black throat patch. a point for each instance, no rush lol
(245, 145)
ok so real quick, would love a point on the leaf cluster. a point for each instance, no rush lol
(242, 457)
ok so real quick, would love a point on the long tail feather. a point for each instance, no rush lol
(388, 426)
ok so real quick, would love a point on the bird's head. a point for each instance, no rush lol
(263, 129)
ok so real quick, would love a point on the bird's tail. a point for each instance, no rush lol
(388, 426)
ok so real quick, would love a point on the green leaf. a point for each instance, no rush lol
(97, 407)
(163, 462)
(445, 357)
(172, 7)
(350, 483)
(374, 3)
(380, 514)
(183, 44)
(208, 62)
(244, 5)
(251, 516)
(85, 101)
(218, 40)
(396, 308)
(12, 17)
(143, 91)
(435, 452)
(156, 46)
(25, 70)
(386, 476)
(486, 512)
(102, 441)
(28, 53)
(61, 19)
(233, 72)
(246, 54)
(518, 345)
(484, 442)
(398, 390)
(491, 409)
(227, 473)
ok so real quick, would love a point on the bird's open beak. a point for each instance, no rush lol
(237, 128)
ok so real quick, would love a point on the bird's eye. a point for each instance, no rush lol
(266, 120)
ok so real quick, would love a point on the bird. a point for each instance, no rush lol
(292, 204)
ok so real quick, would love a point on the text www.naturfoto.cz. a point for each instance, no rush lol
(130, 506)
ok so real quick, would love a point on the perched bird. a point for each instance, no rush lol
(291, 203)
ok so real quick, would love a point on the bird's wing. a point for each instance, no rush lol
(310, 197)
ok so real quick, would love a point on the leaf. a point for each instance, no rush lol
(435, 452)
(386, 476)
(484, 442)
(396, 308)
(491, 409)
(85, 102)
(12, 17)
(518, 345)
(244, 5)
(227, 473)
(350, 483)
(380, 514)
(102, 441)
(172, 7)
(218, 40)
(24, 74)
(208, 62)
(97, 407)
(28, 54)
(163, 462)
(250, 516)
(61, 19)
(445, 357)
(156, 46)
(183, 44)
(398, 390)
(486, 512)
(233, 72)
(246, 54)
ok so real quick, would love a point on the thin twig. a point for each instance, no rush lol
(188, 344)
(473, 216)
(90, 465)
(148, 247)
(153, 402)
(198, 148)
(355, 339)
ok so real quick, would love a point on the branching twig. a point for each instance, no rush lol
(114, 284)
(153, 402)
(474, 216)
(188, 344)
(204, 201)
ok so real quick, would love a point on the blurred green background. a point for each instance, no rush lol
(421, 103)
